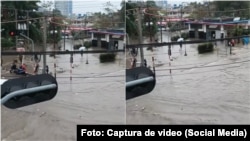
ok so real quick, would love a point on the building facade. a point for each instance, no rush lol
(215, 28)
(65, 6)
(109, 39)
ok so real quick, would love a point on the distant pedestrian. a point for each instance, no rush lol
(116, 46)
(81, 53)
(180, 45)
(36, 58)
(213, 36)
(133, 63)
(145, 62)
(169, 52)
(36, 68)
(47, 69)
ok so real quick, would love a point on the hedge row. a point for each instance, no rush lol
(77, 46)
(108, 57)
(207, 47)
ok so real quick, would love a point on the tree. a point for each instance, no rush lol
(55, 24)
(150, 27)
(111, 18)
(22, 8)
(130, 19)
(200, 11)
(234, 8)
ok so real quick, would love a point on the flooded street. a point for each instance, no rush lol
(211, 88)
(95, 95)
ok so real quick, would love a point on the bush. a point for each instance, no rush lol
(185, 36)
(175, 38)
(109, 57)
(77, 46)
(87, 44)
(203, 48)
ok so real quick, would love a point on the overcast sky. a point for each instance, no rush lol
(85, 6)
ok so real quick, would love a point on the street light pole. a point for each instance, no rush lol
(183, 25)
(140, 35)
(87, 61)
(161, 29)
(30, 40)
(44, 43)
(54, 43)
(64, 37)
(185, 51)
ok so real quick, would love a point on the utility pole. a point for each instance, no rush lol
(85, 34)
(64, 37)
(44, 43)
(208, 9)
(16, 25)
(149, 24)
(27, 17)
(181, 13)
(54, 43)
(140, 34)
(161, 28)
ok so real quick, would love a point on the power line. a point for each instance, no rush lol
(21, 20)
(183, 42)
(59, 52)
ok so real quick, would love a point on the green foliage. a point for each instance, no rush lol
(108, 57)
(111, 18)
(5, 43)
(150, 30)
(77, 46)
(22, 7)
(207, 47)
(175, 38)
(35, 34)
(200, 10)
(131, 17)
(233, 6)
(131, 27)
(185, 35)
(27, 5)
(87, 44)
(55, 37)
